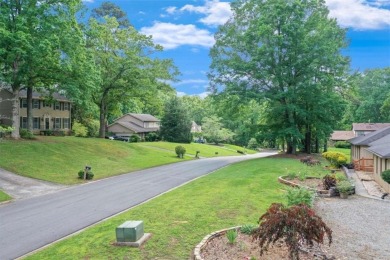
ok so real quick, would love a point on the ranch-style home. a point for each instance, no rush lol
(52, 115)
(371, 153)
(134, 124)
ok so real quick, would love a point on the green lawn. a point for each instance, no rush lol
(206, 150)
(178, 220)
(58, 159)
(4, 196)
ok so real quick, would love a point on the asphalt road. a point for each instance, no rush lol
(29, 224)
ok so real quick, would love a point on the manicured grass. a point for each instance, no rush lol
(178, 220)
(58, 159)
(4, 196)
(206, 150)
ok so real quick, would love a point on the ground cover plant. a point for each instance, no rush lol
(179, 220)
(4, 196)
(346, 152)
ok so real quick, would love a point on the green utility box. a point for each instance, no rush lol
(130, 231)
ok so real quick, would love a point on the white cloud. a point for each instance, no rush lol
(191, 81)
(201, 95)
(360, 14)
(180, 94)
(88, 1)
(215, 12)
(141, 13)
(171, 36)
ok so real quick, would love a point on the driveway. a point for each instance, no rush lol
(19, 187)
(29, 224)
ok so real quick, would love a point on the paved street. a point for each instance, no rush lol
(28, 224)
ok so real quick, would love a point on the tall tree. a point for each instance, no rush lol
(32, 44)
(111, 10)
(286, 52)
(125, 64)
(176, 124)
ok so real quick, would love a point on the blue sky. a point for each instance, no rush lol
(185, 29)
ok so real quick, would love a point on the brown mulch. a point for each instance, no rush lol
(246, 249)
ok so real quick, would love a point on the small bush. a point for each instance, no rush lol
(344, 187)
(252, 144)
(231, 236)
(79, 130)
(342, 144)
(25, 134)
(152, 137)
(89, 175)
(92, 127)
(329, 181)
(294, 225)
(135, 138)
(247, 229)
(296, 196)
(180, 151)
(340, 177)
(386, 176)
(336, 159)
(291, 175)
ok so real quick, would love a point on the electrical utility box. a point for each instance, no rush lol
(130, 231)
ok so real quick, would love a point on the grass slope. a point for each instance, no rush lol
(205, 150)
(4, 196)
(58, 159)
(178, 220)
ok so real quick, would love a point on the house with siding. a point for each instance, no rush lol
(359, 129)
(134, 124)
(49, 114)
(371, 153)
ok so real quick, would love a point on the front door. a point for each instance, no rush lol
(47, 126)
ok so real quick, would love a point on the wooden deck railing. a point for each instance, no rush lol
(364, 164)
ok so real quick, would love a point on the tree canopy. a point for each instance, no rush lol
(287, 54)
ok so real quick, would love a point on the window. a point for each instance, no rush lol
(65, 123)
(57, 106)
(36, 104)
(57, 123)
(23, 122)
(36, 123)
(23, 103)
(66, 106)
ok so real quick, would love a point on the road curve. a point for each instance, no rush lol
(29, 224)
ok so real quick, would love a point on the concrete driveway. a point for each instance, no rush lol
(19, 187)
(29, 224)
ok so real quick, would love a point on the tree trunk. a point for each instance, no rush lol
(308, 141)
(317, 146)
(325, 146)
(29, 109)
(102, 120)
(15, 114)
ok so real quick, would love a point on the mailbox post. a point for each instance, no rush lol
(86, 171)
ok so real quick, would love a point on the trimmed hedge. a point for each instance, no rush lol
(336, 159)
(386, 176)
(342, 144)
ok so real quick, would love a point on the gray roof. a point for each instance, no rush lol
(136, 128)
(145, 117)
(342, 135)
(382, 150)
(369, 126)
(371, 137)
(37, 95)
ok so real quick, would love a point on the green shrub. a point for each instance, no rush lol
(252, 144)
(336, 159)
(342, 144)
(386, 176)
(89, 175)
(152, 137)
(92, 127)
(295, 225)
(291, 175)
(340, 177)
(180, 151)
(247, 229)
(135, 138)
(79, 129)
(231, 236)
(296, 196)
(25, 134)
(344, 187)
